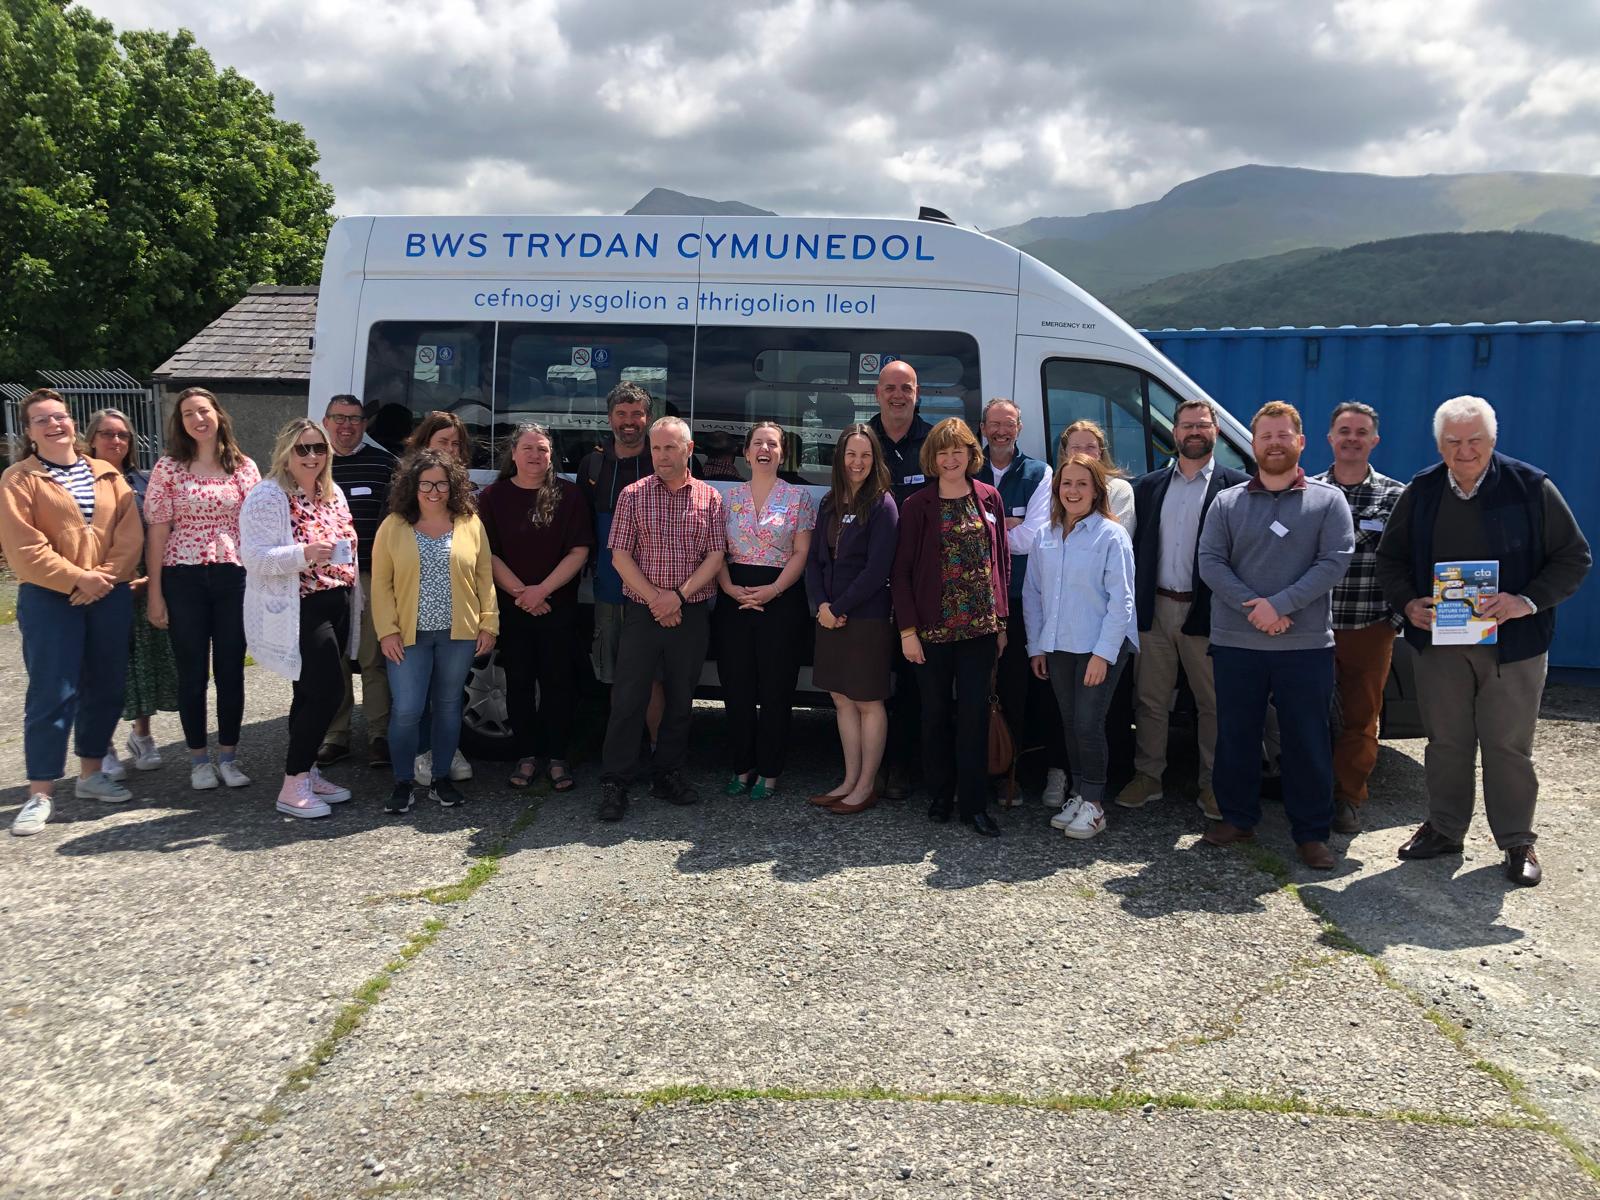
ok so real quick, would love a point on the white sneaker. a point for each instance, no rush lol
(1086, 822)
(33, 816)
(102, 787)
(329, 793)
(1068, 813)
(111, 766)
(203, 776)
(1055, 788)
(295, 799)
(460, 768)
(142, 752)
(423, 769)
(232, 775)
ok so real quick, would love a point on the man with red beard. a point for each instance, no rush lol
(1271, 552)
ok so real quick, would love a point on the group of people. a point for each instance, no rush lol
(937, 570)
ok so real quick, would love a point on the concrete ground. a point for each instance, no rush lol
(201, 997)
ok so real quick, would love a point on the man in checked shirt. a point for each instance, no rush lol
(667, 543)
(1363, 623)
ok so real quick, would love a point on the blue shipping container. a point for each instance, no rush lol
(1543, 380)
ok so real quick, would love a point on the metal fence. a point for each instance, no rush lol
(87, 391)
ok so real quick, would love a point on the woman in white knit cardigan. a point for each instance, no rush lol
(301, 599)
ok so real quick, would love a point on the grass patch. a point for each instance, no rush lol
(485, 867)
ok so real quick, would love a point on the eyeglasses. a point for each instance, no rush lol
(112, 436)
(428, 485)
(357, 419)
(307, 449)
(44, 419)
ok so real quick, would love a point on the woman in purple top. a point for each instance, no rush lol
(759, 621)
(951, 580)
(847, 585)
(540, 536)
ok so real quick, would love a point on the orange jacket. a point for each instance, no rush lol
(43, 534)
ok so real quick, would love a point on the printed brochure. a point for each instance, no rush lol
(1459, 590)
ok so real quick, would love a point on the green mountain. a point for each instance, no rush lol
(1254, 211)
(1449, 277)
(664, 202)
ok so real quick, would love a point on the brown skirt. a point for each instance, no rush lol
(855, 661)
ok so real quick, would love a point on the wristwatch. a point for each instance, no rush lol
(678, 592)
(1532, 607)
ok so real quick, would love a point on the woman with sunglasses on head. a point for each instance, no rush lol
(71, 535)
(540, 534)
(196, 588)
(760, 621)
(446, 433)
(152, 684)
(847, 588)
(1078, 605)
(433, 608)
(301, 601)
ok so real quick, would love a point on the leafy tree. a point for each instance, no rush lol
(141, 191)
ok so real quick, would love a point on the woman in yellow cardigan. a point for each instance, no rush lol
(434, 611)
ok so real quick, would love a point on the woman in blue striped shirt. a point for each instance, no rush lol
(1077, 604)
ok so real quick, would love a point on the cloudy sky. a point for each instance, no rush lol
(994, 111)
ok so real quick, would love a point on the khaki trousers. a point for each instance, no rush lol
(1473, 704)
(1162, 649)
(374, 682)
(1361, 662)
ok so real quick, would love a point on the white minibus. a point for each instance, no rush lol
(725, 321)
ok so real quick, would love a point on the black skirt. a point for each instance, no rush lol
(855, 661)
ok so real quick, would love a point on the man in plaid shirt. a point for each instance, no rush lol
(1363, 623)
(667, 543)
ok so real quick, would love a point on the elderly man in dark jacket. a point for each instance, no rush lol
(1480, 505)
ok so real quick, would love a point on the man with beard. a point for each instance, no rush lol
(1174, 604)
(1271, 552)
(601, 477)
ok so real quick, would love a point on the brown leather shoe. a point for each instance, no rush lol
(823, 799)
(847, 809)
(1220, 833)
(1428, 842)
(1317, 856)
(1346, 818)
(1522, 866)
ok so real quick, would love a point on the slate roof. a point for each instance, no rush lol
(266, 336)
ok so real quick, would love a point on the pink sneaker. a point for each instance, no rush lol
(295, 798)
(328, 793)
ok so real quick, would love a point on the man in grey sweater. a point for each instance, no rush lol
(1271, 552)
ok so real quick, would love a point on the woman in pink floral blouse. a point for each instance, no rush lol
(760, 621)
(196, 589)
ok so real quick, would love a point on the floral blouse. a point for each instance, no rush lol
(966, 602)
(203, 511)
(765, 537)
(323, 521)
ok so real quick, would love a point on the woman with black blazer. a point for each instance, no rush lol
(847, 586)
(951, 580)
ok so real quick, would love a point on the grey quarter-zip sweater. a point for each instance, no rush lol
(1290, 547)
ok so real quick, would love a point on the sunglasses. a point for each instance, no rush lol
(307, 449)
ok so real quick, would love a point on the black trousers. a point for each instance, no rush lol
(1028, 701)
(318, 693)
(539, 650)
(957, 766)
(758, 661)
(645, 652)
(205, 623)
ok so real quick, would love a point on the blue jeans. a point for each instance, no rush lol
(1300, 685)
(433, 673)
(77, 660)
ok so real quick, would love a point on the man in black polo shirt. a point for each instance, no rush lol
(901, 433)
(362, 469)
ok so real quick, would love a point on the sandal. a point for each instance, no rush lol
(738, 785)
(561, 779)
(761, 791)
(524, 775)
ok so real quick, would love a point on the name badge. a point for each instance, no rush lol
(778, 510)
(988, 516)
(1020, 511)
(847, 518)
(916, 479)
(1372, 526)
(1279, 528)
(361, 491)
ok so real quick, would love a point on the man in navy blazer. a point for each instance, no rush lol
(1174, 604)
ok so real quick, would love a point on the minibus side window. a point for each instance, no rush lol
(814, 383)
(415, 367)
(1108, 394)
(559, 376)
